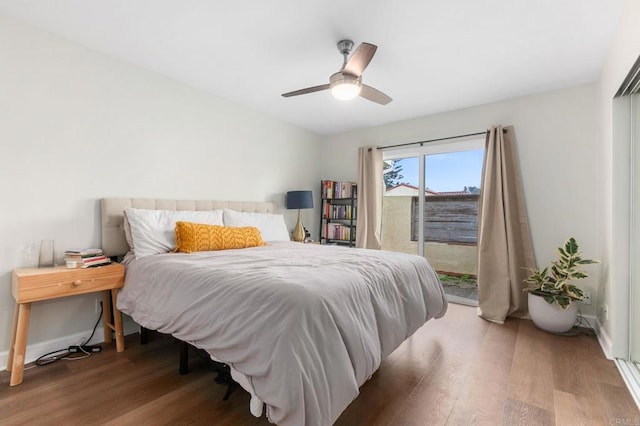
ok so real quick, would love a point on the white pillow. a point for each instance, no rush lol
(271, 226)
(153, 231)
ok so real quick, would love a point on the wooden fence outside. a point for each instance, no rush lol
(447, 219)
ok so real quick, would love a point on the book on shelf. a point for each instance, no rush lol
(334, 189)
(339, 211)
(336, 231)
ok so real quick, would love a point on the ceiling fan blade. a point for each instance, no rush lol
(374, 95)
(307, 90)
(360, 59)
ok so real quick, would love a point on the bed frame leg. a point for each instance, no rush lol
(228, 393)
(144, 336)
(223, 370)
(184, 358)
(224, 378)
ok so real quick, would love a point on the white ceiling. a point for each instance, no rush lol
(433, 55)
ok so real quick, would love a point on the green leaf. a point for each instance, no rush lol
(574, 292)
(562, 301)
(571, 246)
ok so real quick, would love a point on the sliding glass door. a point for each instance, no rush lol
(430, 207)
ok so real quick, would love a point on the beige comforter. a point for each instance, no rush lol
(306, 324)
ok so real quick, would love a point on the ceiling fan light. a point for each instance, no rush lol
(345, 91)
(344, 86)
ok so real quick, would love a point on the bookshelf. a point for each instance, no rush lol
(338, 213)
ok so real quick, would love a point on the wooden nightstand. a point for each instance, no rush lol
(37, 284)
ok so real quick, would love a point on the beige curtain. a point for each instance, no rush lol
(505, 251)
(369, 198)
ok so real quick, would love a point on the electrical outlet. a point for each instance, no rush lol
(587, 298)
(605, 311)
(85, 348)
(97, 306)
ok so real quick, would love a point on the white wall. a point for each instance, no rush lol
(558, 153)
(623, 52)
(76, 126)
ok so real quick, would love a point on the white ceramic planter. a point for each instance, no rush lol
(550, 317)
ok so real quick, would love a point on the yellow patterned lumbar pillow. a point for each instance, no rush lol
(192, 237)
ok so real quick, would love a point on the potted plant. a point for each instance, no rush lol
(552, 292)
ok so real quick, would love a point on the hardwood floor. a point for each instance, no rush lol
(459, 370)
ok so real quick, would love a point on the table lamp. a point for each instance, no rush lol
(299, 200)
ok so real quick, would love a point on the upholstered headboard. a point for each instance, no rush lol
(113, 240)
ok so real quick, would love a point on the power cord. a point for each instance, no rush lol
(83, 349)
(579, 328)
(94, 329)
(584, 323)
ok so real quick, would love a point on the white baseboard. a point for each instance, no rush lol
(605, 341)
(36, 350)
(601, 334)
(129, 327)
(603, 338)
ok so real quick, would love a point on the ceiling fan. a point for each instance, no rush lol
(347, 83)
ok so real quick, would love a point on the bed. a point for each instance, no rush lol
(302, 326)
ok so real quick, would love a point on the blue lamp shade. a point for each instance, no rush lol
(299, 200)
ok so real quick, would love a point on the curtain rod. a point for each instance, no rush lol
(436, 140)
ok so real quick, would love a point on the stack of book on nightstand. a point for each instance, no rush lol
(85, 258)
